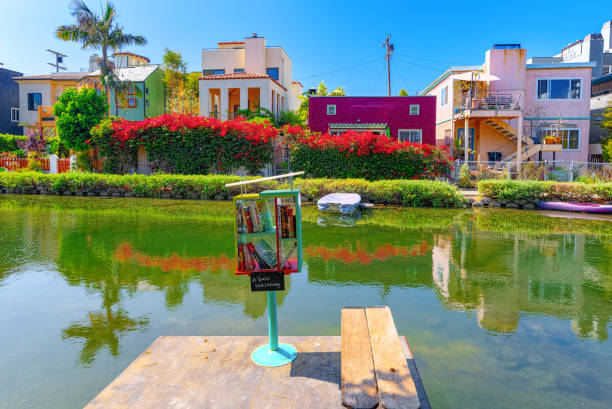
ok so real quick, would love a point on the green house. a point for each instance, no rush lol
(149, 80)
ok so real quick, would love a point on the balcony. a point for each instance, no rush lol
(500, 104)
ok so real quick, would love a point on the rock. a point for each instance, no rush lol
(128, 194)
(520, 202)
(66, 193)
(529, 206)
(608, 203)
(485, 201)
(91, 193)
(494, 204)
(512, 205)
(502, 202)
(218, 197)
(166, 196)
(103, 193)
(477, 204)
(470, 201)
(116, 194)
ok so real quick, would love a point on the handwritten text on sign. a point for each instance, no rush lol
(267, 281)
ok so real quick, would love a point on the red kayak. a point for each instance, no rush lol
(576, 207)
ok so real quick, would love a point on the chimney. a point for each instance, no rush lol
(255, 54)
(94, 62)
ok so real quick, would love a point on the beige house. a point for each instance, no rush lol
(246, 74)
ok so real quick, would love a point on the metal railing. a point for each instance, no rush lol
(560, 171)
(502, 100)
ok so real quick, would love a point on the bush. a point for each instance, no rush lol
(465, 178)
(364, 155)
(185, 144)
(535, 191)
(398, 192)
(9, 143)
(413, 193)
(76, 113)
(56, 147)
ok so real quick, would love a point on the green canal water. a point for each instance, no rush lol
(502, 308)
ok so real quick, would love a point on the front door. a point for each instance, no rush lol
(460, 141)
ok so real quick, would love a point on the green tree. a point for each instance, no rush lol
(97, 31)
(403, 93)
(322, 91)
(76, 112)
(606, 125)
(182, 89)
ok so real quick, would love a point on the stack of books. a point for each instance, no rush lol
(287, 220)
(256, 256)
(253, 217)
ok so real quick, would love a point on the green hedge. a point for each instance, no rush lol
(8, 143)
(413, 193)
(535, 191)
(417, 193)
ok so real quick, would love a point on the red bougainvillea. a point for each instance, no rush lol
(365, 155)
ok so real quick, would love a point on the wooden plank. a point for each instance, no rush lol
(312, 381)
(414, 372)
(357, 368)
(396, 388)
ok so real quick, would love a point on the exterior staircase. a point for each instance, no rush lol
(503, 128)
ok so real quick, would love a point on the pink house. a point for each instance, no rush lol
(514, 109)
(406, 118)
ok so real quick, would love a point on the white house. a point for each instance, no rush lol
(246, 74)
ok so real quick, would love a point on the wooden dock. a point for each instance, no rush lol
(191, 372)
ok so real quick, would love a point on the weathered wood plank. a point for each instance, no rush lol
(357, 368)
(414, 372)
(396, 388)
(312, 381)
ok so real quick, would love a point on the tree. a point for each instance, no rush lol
(606, 125)
(97, 31)
(182, 89)
(322, 91)
(76, 112)
(403, 93)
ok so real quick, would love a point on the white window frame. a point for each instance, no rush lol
(554, 128)
(331, 108)
(537, 87)
(418, 109)
(444, 96)
(13, 110)
(420, 133)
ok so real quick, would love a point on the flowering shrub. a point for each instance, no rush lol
(364, 155)
(186, 144)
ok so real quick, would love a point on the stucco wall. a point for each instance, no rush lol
(26, 87)
(155, 96)
(393, 111)
(131, 114)
(225, 58)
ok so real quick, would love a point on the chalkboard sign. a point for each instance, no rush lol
(267, 281)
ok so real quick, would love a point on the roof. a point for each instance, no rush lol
(230, 42)
(239, 76)
(604, 78)
(297, 82)
(135, 74)
(55, 76)
(132, 54)
(358, 126)
(459, 68)
(561, 65)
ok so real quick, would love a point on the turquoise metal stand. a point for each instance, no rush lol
(273, 353)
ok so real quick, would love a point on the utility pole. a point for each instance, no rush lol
(389, 47)
(59, 59)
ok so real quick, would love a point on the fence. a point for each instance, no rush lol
(560, 171)
(63, 164)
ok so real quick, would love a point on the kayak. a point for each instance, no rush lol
(576, 207)
(345, 203)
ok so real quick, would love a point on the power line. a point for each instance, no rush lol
(419, 65)
(377, 81)
(400, 75)
(339, 70)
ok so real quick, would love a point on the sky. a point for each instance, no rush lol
(339, 42)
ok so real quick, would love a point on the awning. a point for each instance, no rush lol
(475, 76)
(358, 126)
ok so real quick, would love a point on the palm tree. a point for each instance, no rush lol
(98, 31)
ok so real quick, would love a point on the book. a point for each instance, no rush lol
(267, 253)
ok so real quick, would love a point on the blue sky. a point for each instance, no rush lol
(323, 38)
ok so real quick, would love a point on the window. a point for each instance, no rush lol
(447, 137)
(410, 135)
(131, 102)
(237, 70)
(131, 91)
(331, 110)
(272, 72)
(213, 72)
(444, 96)
(34, 100)
(559, 88)
(570, 137)
(14, 114)
(415, 109)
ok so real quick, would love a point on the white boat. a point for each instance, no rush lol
(345, 203)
